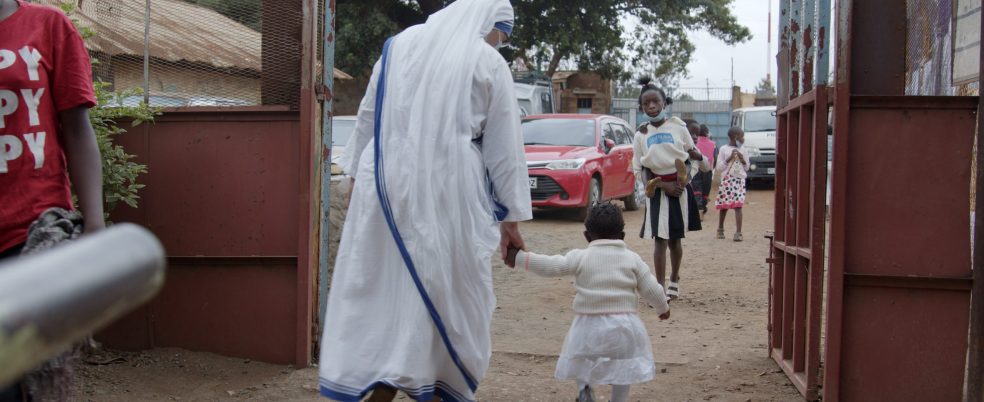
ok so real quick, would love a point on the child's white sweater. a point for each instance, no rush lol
(609, 277)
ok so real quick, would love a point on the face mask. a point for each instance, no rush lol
(663, 115)
(501, 45)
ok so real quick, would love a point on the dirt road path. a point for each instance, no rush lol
(713, 347)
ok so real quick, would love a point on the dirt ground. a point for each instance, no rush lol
(713, 347)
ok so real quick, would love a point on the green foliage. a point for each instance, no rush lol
(616, 38)
(622, 38)
(119, 171)
(362, 27)
(765, 89)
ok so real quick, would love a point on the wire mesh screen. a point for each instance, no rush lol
(929, 58)
(202, 52)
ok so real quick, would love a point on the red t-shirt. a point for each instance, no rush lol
(44, 69)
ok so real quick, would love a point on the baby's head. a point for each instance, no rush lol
(604, 222)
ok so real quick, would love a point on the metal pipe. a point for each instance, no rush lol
(146, 60)
(822, 43)
(50, 300)
(795, 47)
(975, 347)
(783, 57)
(808, 27)
(328, 75)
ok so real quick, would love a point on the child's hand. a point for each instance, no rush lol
(511, 256)
(664, 316)
(672, 189)
(695, 154)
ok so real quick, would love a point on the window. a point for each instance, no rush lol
(762, 120)
(627, 134)
(609, 134)
(546, 103)
(584, 105)
(575, 132)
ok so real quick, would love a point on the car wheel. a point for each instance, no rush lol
(637, 198)
(594, 196)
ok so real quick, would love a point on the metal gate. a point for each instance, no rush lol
(796, 255)
(896, 304)
(796, 263)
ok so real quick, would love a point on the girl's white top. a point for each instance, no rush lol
(609, 277)
(725, 154)
(660, 147)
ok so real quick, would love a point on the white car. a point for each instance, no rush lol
(342, 128)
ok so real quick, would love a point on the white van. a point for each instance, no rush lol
(535, 98)
(759, 125)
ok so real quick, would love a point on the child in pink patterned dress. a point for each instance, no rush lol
(732, 165)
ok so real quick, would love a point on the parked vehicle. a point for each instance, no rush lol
(154, 101)
(759, 124)
(576, 160)
(342, 128)
(216, 101)
(534, 98)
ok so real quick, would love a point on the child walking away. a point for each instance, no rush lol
(706, 147)
(607, 342)
(733, 167)
(661, 148)
(697, 177)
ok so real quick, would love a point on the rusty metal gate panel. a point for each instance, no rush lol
(796, 265)
(900, 257)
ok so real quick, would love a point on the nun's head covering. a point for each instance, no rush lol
(505, 26)
(471, 15)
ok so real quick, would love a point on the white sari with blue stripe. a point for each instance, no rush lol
(444, 87)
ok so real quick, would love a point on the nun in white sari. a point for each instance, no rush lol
(454, 167)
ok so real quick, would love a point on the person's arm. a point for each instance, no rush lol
(743, 157)
(549, 265)
(84, 165)
(502, 149)
(638, 150)
(722, 159)
(73, 94)
(365, 123)
(650, 289)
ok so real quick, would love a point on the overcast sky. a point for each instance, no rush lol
(712, 57)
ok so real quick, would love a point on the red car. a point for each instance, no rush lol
(576, 160)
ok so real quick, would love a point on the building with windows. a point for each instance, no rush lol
(582, 92)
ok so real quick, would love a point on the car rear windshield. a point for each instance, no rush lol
(341, 130)
(570, 132)
(764, 120)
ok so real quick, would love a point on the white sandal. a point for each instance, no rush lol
(673, 290)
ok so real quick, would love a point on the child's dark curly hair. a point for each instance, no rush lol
(647, 85)
(605, 221)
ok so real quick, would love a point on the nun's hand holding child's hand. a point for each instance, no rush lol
(665, 315)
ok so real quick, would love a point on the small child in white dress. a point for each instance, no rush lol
(607, 342)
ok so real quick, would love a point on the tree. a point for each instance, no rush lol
(619, 37)
(765, 90)
(616, 38)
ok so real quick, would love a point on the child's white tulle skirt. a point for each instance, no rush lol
(607, 349)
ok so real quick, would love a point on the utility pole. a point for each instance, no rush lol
(768, 47)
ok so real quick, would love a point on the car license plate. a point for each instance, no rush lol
(771, 171)
(532, 183)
